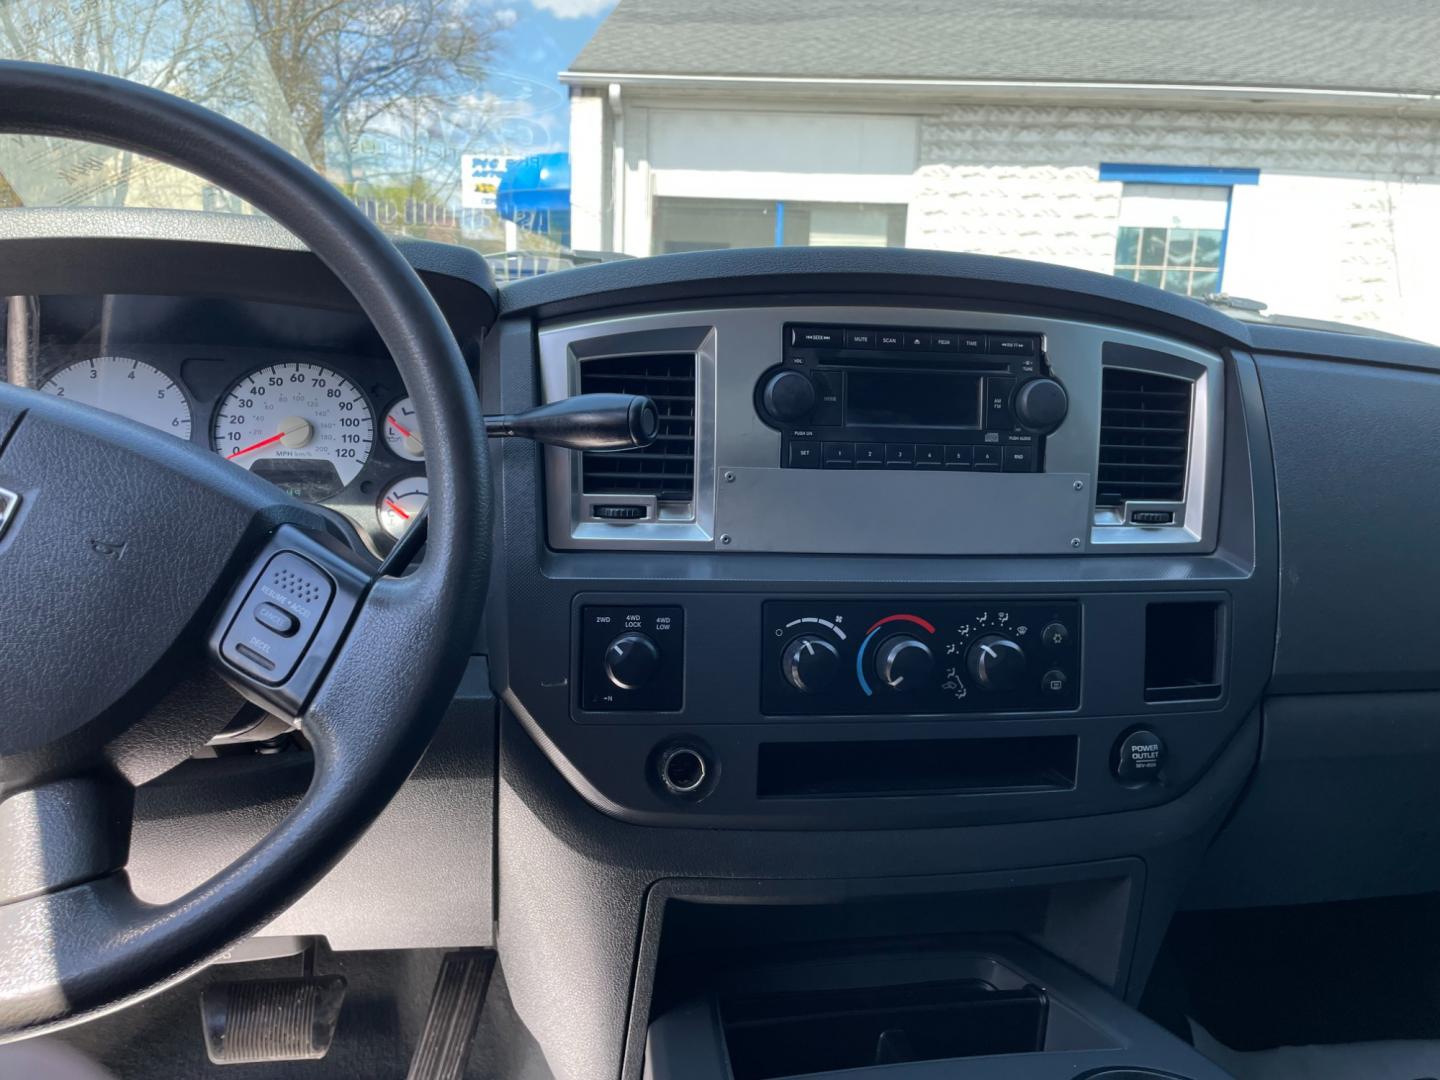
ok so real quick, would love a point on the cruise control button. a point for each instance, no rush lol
(1019, 459)
(929, 456)
(870, 454)
(899, 455)
(838, 455)
(804, 455)
(277, 619)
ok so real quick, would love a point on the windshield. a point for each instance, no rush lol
(1280, 152)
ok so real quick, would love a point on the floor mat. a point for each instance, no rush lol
(1394, 1059)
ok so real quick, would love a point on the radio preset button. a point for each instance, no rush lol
(838, 455)
(987, 458)
(958, 457)
(804, 454)
(869, 454)
(899, 455)
(1019, 459)
(929, 456)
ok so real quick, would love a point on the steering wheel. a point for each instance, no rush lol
(133, 569)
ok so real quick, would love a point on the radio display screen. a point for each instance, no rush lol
(938, 399)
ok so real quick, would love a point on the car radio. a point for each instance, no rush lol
(853, 397)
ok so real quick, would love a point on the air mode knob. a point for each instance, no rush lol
(788, 396)
(809, 663)
(996, 662)
(1041, 405)
(631, 660)
(902, 662)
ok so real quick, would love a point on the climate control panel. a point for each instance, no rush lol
(919, 657)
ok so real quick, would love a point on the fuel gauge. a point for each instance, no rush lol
(402, 503)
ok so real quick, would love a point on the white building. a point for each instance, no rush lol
(1279, 150)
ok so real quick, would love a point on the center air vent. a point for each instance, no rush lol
(1144, 437)
(665, 468)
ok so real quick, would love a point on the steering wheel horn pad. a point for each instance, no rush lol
(123, 562)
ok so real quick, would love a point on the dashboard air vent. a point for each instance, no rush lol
(1144, 437)
(665, 468)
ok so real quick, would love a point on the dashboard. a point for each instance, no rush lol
(944, 573)
(304, 398)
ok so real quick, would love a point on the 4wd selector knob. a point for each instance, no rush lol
(1041, 404)
(788, 396)
(809, 663)
(996, 662)
(631, 660)
(902, 662)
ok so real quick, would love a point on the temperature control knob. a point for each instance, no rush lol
(996, 662)
(902, 662)
(631, 660)
(789, 396)
(1041, 405)
(809, 663)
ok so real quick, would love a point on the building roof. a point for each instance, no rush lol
(1386, 46)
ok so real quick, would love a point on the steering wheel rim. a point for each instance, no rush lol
(74, 939)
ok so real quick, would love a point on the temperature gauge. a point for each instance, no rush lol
(402, 503)
(402, 431)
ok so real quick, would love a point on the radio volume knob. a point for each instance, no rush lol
(1041, 405)
(996, 662)
(809, 663)
(788, 396)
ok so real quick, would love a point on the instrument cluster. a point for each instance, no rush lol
(338, 431)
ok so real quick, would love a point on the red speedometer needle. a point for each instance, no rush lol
(255, 446)
(396, 425)
(396, 506)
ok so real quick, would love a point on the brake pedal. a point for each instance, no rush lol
(454, 1015)
(265, 1020)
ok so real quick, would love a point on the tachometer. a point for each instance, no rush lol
(305, 427)
(129, 387)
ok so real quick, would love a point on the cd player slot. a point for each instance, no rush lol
(901, 362)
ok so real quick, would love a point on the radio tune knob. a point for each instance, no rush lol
(789, 396)
(809, 663)
(1041, 405)
(996, 662)
(631, 660)
(903, 662)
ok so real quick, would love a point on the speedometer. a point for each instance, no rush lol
(129, 387)
(305, 427)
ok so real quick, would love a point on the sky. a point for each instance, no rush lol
(543, 38)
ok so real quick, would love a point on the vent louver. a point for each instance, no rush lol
(1144, 437)
(665, 468)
